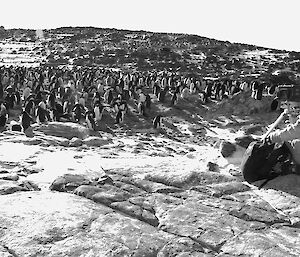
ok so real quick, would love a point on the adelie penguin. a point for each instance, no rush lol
(29, 106)
(3, 115)
(157, 122)
(89, 118)
(26, 120)
(98, 110)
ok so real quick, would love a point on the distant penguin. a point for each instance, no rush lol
(18, 97)
(157, 122)
(89, 118)
(77, 111)
(51, 100)
(29, 106)
(174, 99)
(148, 101)
(141, 109)
(119, 117)
(57, 112)
(40, 115)
(3, 120)
(41, 112)
(3, 115)
(26, 119)
(98, 110)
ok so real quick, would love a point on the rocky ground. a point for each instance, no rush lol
(142, 192)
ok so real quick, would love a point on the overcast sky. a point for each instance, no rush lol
(269, 23)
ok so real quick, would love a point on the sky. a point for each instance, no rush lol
(267, 23)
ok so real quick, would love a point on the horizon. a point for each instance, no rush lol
(268, 23)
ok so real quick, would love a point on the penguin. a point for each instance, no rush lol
(123, 108)
(3, 120)
(57, 112)
(109, 96)
(98, 110)
(119, 117)
(26, 119)
(77, 111)
(3, 115)
(157, 122)
(51, 99)
(40, 115)
(29, 106)
(141, 109)
(148, 102)
(89, 118)
(174, 99)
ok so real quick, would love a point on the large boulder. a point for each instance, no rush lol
(67, 130)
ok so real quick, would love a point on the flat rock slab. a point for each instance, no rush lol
(62, 224)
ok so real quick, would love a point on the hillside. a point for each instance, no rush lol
(141, 50)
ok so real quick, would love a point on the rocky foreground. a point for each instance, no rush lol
(138, 194)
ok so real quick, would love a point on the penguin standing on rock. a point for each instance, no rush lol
(89, 118)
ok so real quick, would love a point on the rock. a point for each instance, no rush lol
(227, 148)
(29, 185)
(128, 208)
(10, 187)
(88, 191)
(213, 167)
(69, 182)
(13, 177)
(112, 194)
(96, 141)
(65, 142)
(29, 132)
(252, 129)
(182, 247)
(75, 142)
(58, 224)
(63, 129)
(150, 218)
(221, 189)
(244, 141)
